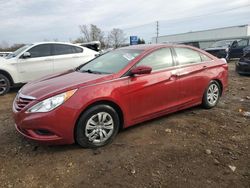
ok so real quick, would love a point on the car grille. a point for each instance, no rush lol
(22, 101)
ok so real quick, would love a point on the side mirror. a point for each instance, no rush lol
(141, 70)
(26, 55)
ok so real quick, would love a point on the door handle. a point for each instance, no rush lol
(204, 67)
(173, 77)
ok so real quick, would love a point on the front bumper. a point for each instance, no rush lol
(55, 127)
(242, 68)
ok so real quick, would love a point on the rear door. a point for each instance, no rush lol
(156, 92)
(66, 57)
(39, 64)
(191, 74)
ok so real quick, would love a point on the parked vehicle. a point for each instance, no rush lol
(236, 49)
(246, 50)
(243, 65)
(34, 61)
(117, 90)
(228, 48)
(94, 45)
(194, 44)
(3, 54)
(220, 48)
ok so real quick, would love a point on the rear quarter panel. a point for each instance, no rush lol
(218, 70)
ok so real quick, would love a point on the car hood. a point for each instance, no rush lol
(61, 82)
(4, 60)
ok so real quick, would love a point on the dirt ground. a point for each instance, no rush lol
(191, 148)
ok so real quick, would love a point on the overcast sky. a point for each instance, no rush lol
(35, 20)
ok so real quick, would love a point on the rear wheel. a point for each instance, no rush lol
(211, 95)
(4, 84)
(97, 126)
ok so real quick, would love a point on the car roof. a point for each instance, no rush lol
(154, 46)
(144, 46)
(52, 42)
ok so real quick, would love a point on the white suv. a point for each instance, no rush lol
(33, 61)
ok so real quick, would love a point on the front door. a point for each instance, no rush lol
(156, 92)
(39, 64)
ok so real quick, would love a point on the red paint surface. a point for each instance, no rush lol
(140, 97)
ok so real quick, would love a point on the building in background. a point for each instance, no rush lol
(203, 39)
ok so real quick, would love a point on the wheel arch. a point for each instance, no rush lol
(114, 105)
(220, 84)
(5, 73)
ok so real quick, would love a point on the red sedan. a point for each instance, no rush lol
(119, 89)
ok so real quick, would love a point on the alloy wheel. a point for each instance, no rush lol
(213, 94)
(3, 85)
(99, 127)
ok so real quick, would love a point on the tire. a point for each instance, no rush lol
(89, 132)
(212, 95)
(4, 84)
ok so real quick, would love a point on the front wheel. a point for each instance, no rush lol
(97, 126)
(4, 84)
(211, 95)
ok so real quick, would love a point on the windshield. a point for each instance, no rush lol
(18, 51)
(222, 43)
(111, 62)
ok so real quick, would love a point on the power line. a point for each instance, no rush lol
(157, 31)
(191, 17)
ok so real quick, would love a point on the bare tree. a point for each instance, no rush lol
(78, 40)
(4, 44)
(86, 33)
(11, 48)
(116, 37)
(91, 33)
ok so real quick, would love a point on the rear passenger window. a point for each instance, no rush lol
(158, 59)
(187, 56)
(63, 49)
(204, 57)
(77, 49)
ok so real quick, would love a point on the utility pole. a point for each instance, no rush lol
(157, 31)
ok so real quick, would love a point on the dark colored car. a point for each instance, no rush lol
(237, 48)
(220, 48)
(243, 65)
(228, 48)
(117, 90)
(246, 50)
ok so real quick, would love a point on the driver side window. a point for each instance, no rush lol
(42, 50)
(159, 59)
(242, 42)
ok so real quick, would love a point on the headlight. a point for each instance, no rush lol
(51, 103)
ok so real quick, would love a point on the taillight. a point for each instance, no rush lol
(225, 66)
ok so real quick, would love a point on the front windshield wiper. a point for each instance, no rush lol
(93, 72)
